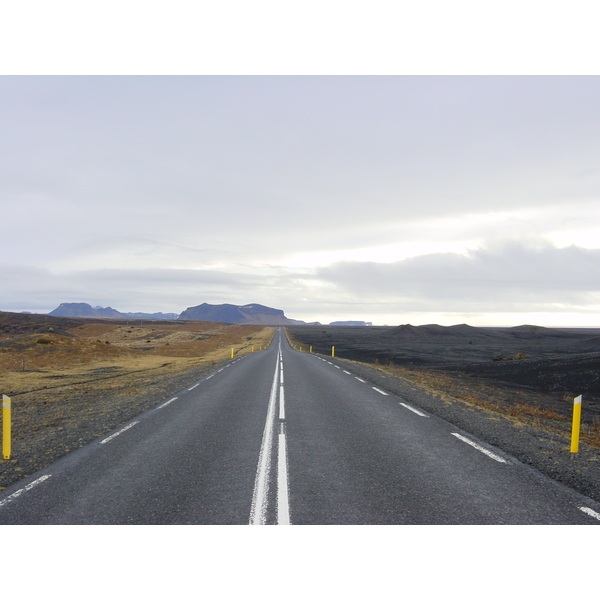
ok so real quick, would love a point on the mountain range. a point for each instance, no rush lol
(255, 314)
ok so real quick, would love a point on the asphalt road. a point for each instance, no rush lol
(287, 437)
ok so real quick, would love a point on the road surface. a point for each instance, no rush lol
(287, 437)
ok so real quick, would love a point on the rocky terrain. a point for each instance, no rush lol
(72, 380)
(538, 367)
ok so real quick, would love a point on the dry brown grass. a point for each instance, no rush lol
(520, 406)
(49, 361)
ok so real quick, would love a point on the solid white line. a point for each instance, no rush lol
(283, 503)
(480, 448)
(281, 402)
(589, 511)
(418, 412)
(114, 435)
(261, 482)
(24, 489)
(380, 391)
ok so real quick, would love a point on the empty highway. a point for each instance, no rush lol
(290, 438)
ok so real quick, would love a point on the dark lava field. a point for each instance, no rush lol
(546, 360)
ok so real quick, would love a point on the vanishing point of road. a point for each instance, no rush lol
(287, 437)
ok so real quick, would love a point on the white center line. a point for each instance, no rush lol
(283, 503)
(258, 511)
(480, 448)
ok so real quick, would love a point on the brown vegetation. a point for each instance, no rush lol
(71, 380)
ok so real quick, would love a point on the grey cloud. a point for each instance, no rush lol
(506, 277)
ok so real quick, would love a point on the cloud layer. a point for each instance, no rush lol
(329, 197)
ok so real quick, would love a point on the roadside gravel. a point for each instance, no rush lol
(547, 452)
(47, 431)
(93, 414)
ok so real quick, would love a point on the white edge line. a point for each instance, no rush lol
(590, 512)
(24, 489)
(417, 412)
(114, 435)
(480, 448)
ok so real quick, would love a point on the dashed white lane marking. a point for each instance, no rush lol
(114, 435)
(347, 372)
(24, 489)
(418, 412)
(361, 380)
(589, 511)
(167, 402)
(210, 376)
(336, 366)
(193, 387)
(380, 391)
(480, 448)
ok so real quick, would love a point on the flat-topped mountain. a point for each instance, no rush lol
(229, 313)
(81, 309)
(253, 314)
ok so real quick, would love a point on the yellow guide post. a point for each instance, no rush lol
(232, 353)
(332, 350)
(6, 427)
(310, 349)
(576, 424)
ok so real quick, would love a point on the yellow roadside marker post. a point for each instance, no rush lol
(332, 350)
(6, 427)
(232, 353)
(310, 349)
(576, 424)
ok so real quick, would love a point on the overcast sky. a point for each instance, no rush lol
(335, 161)
(391, 199)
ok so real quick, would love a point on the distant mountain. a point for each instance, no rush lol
(81, 309)
(229, 313)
